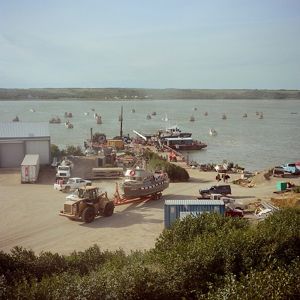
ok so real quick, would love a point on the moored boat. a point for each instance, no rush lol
(16, 119)
(55, 120)
(183, 143)
(212, 132)
(68, 115)
(98, 119)
(68, 124)
(224, 117)
(139, 182)
(148, 117)
(192, 119)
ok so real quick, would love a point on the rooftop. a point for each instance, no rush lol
(194, 202)
(10, 130)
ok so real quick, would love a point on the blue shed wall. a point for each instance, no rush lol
(179, 211)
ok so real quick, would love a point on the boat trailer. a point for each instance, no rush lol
(120, 200)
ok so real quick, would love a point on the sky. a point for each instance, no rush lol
(213, 44)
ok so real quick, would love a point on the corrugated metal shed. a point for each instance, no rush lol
(179, 209)
(194, 202)
(13, 130)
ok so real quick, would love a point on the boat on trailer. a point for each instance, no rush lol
(141, 183)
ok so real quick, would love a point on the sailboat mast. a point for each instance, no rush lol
(121, 120)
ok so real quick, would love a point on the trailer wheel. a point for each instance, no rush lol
(109, 209)
(67, 189)
(88, 214)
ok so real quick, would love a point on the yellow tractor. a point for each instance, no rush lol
(87, 203)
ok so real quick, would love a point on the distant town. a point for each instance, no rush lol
(133, 93)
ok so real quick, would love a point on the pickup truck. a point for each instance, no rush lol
(63, 172)
(215, 189)
(229, 202)
(72, 184)
(291, 168)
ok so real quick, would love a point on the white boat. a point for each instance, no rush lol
(165, 118)
(32, 110)
(86, 113)
(98, 119)
(212, 132)
(69, 125)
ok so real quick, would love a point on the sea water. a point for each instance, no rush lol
(250, 142)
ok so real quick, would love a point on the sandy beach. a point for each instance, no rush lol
(29, 215)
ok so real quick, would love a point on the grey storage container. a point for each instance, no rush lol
(30, 167)
(178, 209)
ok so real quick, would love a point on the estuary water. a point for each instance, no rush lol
(251, 142)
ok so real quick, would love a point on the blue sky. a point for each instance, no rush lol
(150, 44)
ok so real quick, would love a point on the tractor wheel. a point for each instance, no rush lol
(67, 189)
(88, 214)
(109, 209)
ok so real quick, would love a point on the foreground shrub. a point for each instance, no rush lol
(204, 257)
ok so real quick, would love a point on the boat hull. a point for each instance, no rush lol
(139, 190)
(188, 147)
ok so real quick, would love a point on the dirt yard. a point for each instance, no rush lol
(29, 214)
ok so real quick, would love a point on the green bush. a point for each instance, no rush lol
(175, 173)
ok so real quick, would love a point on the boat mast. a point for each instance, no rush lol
(121, 125)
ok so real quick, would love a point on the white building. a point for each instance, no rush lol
(20, 138)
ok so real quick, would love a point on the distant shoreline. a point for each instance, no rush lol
(117, 94)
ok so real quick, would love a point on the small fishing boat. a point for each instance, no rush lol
(153, 113)
(68, 124)
(261, 116)
(68, 115)
(86, 113)
(192, 119)
(206, 114)
(195, 108)
(98, 119)
(148, 117)
(165, 118)
(212, 132)
(139, 182)
(257, 113)
(32, 110)
(245, 115)
(16, 119)
(133, 110)
(224, 117)
(55, 120)
(92, 109)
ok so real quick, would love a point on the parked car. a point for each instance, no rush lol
(216, 189)
(233, 212)
(72, 184)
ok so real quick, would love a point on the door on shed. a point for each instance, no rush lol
(41, 148)
(11, 155)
